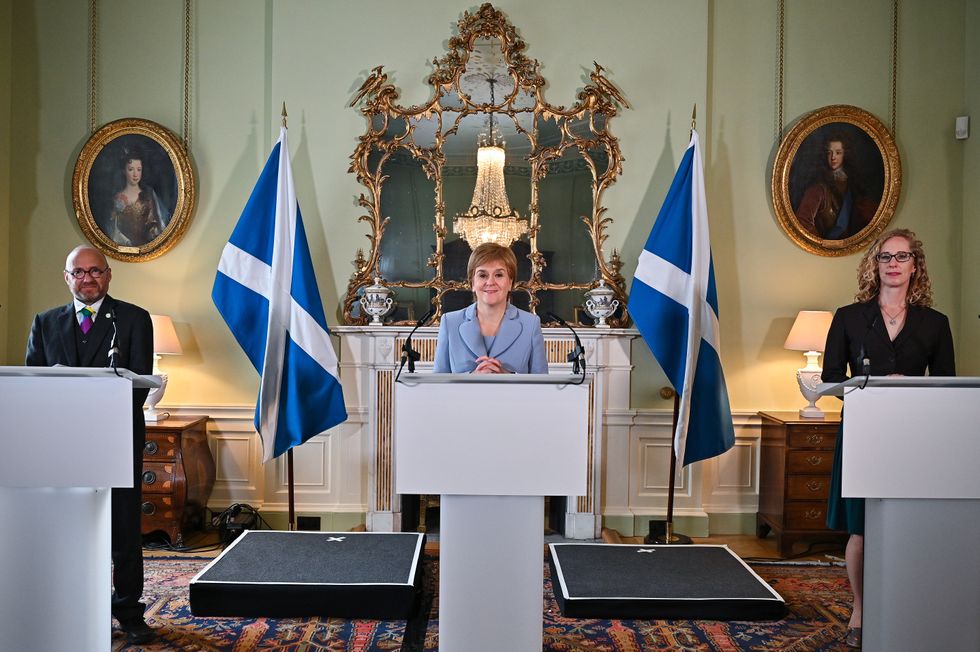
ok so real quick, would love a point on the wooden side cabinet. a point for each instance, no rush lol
(178, 476)
(794, 478)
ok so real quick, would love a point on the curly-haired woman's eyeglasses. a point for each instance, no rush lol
(901, 256)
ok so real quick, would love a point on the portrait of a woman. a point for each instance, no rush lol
(835, 204)
(138, 215)
(491, 336)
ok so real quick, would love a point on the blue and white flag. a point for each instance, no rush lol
(674, 303)
(266, 292)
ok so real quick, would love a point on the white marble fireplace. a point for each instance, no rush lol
(369, 359)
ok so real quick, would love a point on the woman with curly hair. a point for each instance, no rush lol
(890, 330)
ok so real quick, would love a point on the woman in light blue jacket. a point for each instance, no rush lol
(491, 336)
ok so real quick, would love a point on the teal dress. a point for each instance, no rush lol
(858, 332)
(843, 513)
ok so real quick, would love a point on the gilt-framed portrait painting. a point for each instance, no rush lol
(836, 180)
(133, 189)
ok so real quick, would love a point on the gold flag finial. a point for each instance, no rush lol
(284, 114)
(694, 118)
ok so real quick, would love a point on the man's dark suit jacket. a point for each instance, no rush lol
(53, 342)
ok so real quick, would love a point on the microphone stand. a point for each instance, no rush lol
(410, 355)
(577, 355)
(114, 348)
(863, 358)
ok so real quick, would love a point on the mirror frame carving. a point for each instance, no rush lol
(379, 99)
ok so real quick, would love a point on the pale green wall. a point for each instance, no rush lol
(665, 55)
(6, 56)
(968, 357)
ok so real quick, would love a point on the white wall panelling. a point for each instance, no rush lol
(349, 469)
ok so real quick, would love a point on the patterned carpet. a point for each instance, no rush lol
(817, 598)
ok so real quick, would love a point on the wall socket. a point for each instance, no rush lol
(962, 130)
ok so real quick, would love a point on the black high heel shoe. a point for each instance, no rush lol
(853, 638)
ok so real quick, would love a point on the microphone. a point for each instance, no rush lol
(862, 357)
(409, 354)
(577, 355)
(113, 347)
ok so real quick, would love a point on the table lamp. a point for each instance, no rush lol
(165, 342)
(809, 334)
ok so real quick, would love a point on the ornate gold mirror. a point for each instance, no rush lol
(486, 158)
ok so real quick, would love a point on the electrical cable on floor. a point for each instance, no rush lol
(806, 553)
(159, 546)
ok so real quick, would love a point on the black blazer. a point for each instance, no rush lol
(52, 340)
(858, 331)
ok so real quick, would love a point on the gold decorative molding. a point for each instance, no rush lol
(582, 128)
(384, 486)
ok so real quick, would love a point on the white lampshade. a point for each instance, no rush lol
(809, 332)
(165, 340)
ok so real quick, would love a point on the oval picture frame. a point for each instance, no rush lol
(128, 221)
(836, 211)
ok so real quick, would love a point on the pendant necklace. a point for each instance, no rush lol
(892, 319)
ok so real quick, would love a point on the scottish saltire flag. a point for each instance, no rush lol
(267, 294)
(674, 303)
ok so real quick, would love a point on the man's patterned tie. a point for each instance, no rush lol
(86, 322)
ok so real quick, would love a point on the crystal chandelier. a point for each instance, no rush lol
(490, 217)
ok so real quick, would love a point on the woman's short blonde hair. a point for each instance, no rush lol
(489, 252)
(869, 280)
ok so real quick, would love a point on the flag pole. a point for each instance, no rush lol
(670, 537)
(291, 487)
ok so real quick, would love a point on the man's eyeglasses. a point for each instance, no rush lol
(901, 256)
(94, 272)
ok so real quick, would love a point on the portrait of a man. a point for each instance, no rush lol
(836, 181)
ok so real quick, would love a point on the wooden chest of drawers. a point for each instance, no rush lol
(794, 478)
(178, 476)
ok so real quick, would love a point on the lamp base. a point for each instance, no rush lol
(811, 412)
(154, 415)
(150, 412)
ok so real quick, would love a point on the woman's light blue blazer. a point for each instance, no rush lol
(519, 344)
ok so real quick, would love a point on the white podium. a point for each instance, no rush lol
(911, 446)
(67, 438)
(492, 446)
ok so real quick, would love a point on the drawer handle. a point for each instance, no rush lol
(814, 485)
(149, 477)
(812, 514)
(814, 460)
(148, 508)
(151, 448)
(815, 438)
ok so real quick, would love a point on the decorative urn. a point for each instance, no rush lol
(376, 301)
(600, 303)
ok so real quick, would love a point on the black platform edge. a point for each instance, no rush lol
(660, 608)
(289, 600)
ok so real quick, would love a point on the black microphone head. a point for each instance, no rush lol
(426, 317)
(556, 318)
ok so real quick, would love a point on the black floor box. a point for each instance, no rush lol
(659, 582)
(296, 574)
